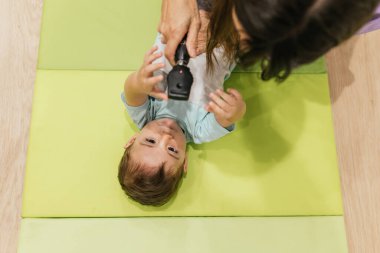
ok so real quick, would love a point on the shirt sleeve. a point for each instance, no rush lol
(208, 129)
(139, 114)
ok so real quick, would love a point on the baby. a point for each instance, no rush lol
(155, 158)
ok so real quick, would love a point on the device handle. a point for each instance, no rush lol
(182, 56)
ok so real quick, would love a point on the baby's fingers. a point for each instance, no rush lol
(226, 97)
(151, 58)
(150, 52)
(151, 81)
(235, 93)
(153, 67)
(214, 108)
(219, 101)
(159, 95)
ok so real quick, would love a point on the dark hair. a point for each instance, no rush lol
(147, 188)
(287, 33)
(221, 32)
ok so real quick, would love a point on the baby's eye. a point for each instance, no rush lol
(171, 149)
(150, 140)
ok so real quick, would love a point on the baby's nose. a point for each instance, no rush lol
(166, 130)
(167, 134)
(165, 139)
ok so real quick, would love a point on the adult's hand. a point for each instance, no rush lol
(202, 34)
(179, 17)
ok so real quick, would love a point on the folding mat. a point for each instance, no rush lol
(169, 235)
(281, 160)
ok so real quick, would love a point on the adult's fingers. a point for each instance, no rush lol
(162, 27)
(204, 18)
(163, 17)
(192, 37)
(163, 39)
(172, 44)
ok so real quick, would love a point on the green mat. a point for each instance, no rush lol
(105, 35)
(201, 235)
(280, 161)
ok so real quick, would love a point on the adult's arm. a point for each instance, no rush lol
(179, 17)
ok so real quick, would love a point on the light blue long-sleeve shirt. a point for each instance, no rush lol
(198, 125)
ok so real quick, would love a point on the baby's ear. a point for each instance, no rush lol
(131, 141)
(185, 165)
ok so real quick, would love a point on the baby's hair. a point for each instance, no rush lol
(153, 189)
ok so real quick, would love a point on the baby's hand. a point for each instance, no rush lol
(228, 107)
(145, 79)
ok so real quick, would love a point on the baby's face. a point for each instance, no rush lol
(160, 142)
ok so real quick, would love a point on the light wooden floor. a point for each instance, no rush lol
(355, 92)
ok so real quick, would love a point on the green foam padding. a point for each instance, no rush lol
(201, 235)
(104, 35)
(281, 160)
(316, 67)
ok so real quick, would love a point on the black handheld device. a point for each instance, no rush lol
(180, 78)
